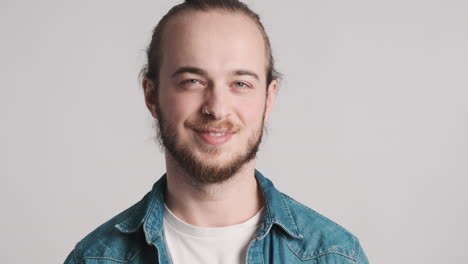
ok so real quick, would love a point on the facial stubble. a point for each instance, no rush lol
(200, 171)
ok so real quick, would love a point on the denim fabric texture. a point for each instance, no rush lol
(290, 233)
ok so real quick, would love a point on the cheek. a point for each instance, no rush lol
(252, 112)
(177, 108)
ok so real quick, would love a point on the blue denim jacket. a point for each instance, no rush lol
(291, 233)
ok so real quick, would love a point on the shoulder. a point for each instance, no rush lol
(321, 237)
(107, 242)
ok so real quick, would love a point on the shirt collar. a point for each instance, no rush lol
(277, 209)
(149, 211)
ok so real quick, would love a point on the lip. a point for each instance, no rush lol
(213, 137)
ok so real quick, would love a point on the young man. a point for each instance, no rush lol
(210, 84)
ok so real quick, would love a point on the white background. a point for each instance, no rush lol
(370, 126)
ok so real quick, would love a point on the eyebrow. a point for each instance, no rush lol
(188, 69)
(198, 71)
(246, 72)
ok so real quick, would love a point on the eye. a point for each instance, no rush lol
(240, 84)
(191, 81)
(191, 84)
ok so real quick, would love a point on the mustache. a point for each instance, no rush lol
(206, 124)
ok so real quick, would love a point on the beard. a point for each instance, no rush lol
(199, 170)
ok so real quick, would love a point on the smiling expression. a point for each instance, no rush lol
(212, 97)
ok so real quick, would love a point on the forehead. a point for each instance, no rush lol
(214, 40)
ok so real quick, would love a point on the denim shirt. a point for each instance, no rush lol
(290, 233)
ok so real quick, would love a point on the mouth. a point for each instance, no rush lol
(214, 136)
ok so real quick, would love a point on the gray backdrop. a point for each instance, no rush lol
(369, 127)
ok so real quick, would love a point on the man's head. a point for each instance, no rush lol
(210, 83)
(155, 53)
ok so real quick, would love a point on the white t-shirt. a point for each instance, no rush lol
(187, 243)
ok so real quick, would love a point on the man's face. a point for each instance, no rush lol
(212, 96)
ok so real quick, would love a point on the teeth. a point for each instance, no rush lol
(216, 134)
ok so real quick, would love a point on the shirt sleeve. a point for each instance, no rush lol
(362, 256)
(71, 258)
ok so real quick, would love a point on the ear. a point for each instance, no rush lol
(270, 98)
(150, 96)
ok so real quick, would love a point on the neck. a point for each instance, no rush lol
(213, 205)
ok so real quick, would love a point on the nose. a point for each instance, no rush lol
(217, 103)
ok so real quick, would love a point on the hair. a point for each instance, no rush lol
(154, 53)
